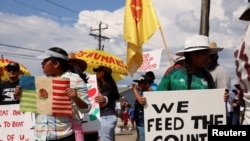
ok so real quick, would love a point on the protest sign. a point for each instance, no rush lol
(15, 125)
(91, 120)
(183, 115)
(151, 60)
(45, 95)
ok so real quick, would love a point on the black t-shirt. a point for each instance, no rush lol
(7, 93)
(108, 91)
(139, 113)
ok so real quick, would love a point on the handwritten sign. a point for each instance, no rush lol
(151, 60)
(15, 125)
(91, 120)
(183, 115)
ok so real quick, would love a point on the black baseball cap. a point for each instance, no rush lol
(143, 79)
(13, 65)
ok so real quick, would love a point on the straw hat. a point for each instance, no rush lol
(81, 63)
(194, 43)
(214, 48)
(246, 14)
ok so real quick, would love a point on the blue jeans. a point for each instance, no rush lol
(140, 133)
(107, 131)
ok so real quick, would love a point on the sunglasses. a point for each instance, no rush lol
(14, 69)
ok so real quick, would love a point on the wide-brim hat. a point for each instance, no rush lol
(246, 14)
(81, 63)
(194, 43)
(214, 49)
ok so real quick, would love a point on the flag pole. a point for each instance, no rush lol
(165, 44)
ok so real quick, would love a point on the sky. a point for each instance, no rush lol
(32, 26)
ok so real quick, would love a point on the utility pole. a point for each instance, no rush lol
(204, 21)
(99, 35)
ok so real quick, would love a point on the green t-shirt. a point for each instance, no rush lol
(177, 80)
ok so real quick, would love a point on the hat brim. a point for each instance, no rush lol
(82, 64)
(103, 68)
(181, 52)
(8, 67)
(246, 14)
(42, 57)
(140, 81)
(211, 51)
(215, 50)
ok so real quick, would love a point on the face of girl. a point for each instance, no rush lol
(100, 74)
(48, 67)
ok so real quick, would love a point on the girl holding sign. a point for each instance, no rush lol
(52, 127)
(107, 99)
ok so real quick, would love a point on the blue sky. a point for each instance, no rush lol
(27, 7)
(39, 25)
(57, 8)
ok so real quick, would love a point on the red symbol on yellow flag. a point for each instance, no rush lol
(136, 9)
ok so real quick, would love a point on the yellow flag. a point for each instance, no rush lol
(140, 23)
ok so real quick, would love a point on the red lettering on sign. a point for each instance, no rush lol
(17, 124)
(4, 112)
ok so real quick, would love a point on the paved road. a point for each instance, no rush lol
(124, 135)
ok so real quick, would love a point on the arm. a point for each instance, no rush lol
(17, 93)
(139, 98)
(104, 95)
(78, 93)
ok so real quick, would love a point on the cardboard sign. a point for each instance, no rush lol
(45, 95)
(183, 115)
(15, 125)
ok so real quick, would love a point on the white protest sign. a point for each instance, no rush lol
(91, 120)
(15, 125)
(151, 60)
(183, 115)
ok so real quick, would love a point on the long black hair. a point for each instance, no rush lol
(206, 74)
(109, 79)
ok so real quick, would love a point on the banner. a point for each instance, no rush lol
(45, 95)
(151, 60)
(16, 125)
(183, 115)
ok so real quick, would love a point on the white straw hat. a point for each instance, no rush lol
(194, 43)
